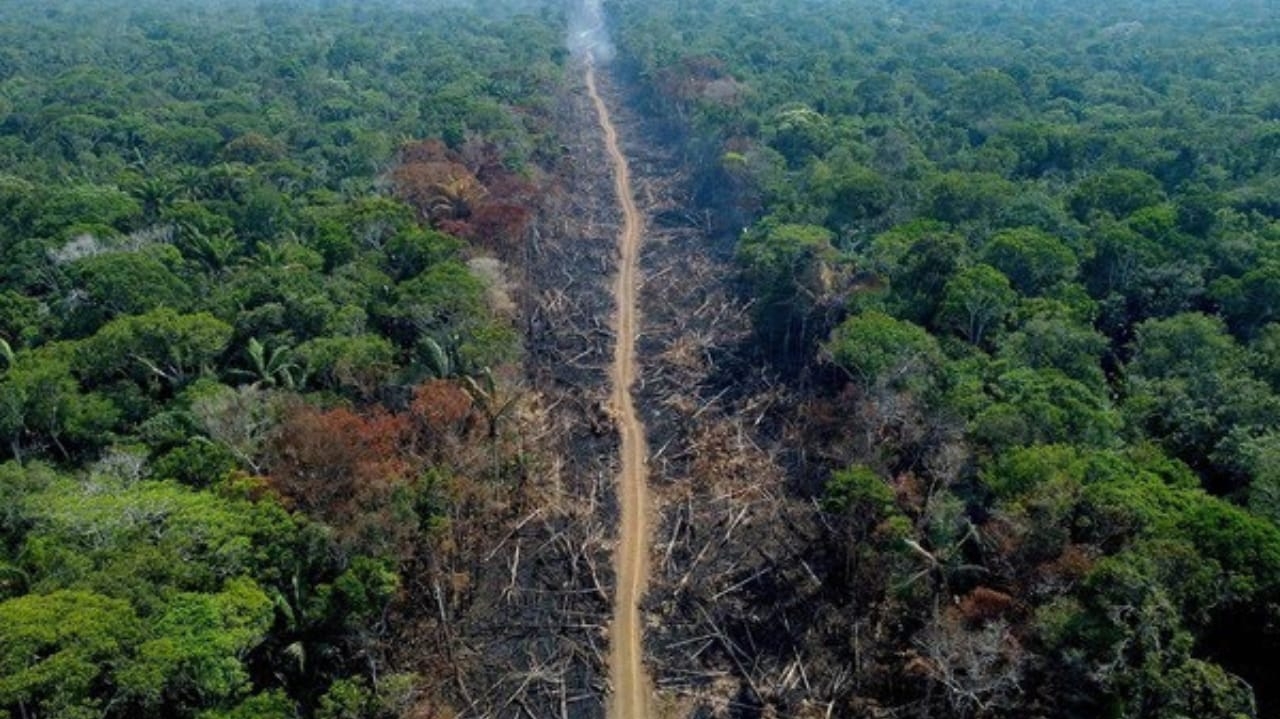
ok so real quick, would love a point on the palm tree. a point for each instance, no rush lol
(214, 250)
(441, 362)
(155, 194)
(272, 369)
(494, 402)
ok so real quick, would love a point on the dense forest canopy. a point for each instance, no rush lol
(261, 322)
(1026, 258)
(252, 303)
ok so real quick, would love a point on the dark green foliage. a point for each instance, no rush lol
(1032, 260)
(975, 302)
(791, 269)
(1118, 192)
(1061, 265)
(195, 236)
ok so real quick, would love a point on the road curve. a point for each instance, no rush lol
(631, 686)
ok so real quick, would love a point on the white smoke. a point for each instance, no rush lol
(588, 39)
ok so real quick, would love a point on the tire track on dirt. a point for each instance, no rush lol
(631, 686)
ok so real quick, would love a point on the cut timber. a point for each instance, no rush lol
(631, 686)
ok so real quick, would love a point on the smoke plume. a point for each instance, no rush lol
(588, 38)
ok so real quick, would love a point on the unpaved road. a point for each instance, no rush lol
(631, 686)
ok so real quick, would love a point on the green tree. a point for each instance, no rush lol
(799, 133)
(1057, 343)
(1252, 301)
(42, 405)
(160, 346)
(194, 656)
(1033, 260)
(130, 283)
(976, 301)
(968, 197)
(86, 205)
(878, 350)
(1189, 387)
(59, 652)
(791, 269)
(1118, 192)
(918, 258)
(361, 363)
(1044, 407)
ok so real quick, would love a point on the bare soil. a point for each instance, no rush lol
(631, 695)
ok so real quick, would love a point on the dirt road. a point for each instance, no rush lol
(631, 687)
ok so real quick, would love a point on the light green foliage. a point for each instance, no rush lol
(266, 705)
(1184, 559)
(1251, 301)
(41, 403)
(130, 540)
(444, 299)
(854, 192)
(351, 699)
(1123, 496)
(1137, 594)
(968, 197)
(858, 490)
(362, 361)
(918, 259)
(1042, 407)
(879, 351)
(1057, 343)
(871, 527)
(161, 346)
(1023, 470)
(197, 462)
(127, 283)
(199, 640)
(23, 320)
(176, 588)
(86, 206)
(798, 132)
(57, 649)
(410, 253)
(986, 91)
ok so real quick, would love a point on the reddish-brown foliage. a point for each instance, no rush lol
(506, 186)
(1002, 534)
(431, 150)
(469, 192)
(983, 605)
(439, 190)
(331, 463)
(442, 407)
(911, 492)
(498, 227)
(1074, 563)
